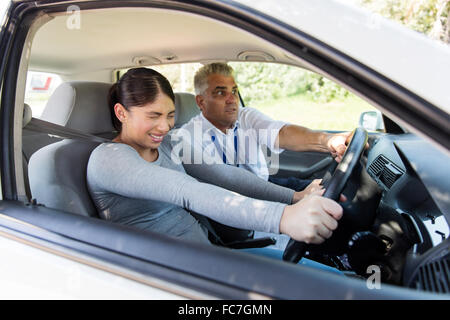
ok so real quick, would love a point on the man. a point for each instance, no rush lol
(227, 133)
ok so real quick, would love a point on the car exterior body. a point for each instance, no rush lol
(48, 253)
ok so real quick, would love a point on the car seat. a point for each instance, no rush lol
(185, 108)
(57, 172)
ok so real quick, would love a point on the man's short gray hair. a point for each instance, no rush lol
(201, 76)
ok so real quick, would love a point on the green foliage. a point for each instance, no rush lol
(338, 114)
(264, 81)
(430, 17)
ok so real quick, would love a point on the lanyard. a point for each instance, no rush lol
(224, 157)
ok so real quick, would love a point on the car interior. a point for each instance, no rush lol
(383, 225)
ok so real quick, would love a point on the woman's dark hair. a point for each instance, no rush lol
(136, 88)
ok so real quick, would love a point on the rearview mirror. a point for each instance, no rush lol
(371, 121)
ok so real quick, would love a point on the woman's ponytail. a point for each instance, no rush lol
(113, 98)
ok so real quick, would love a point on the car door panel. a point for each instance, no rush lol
(304, 165)
(178, 268)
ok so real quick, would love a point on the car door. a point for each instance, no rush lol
(156, 261)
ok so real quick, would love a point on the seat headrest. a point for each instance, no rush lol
(27, 115)
(185, 108)
(80, 105)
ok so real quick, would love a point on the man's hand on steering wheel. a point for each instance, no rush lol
(337, 144)
(312, 188)
(315, 187)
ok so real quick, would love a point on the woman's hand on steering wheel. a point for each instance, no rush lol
(311, 220)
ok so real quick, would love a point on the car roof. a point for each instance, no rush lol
(128, 37)
(115, 38)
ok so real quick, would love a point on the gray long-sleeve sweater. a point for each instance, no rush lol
(158, 195)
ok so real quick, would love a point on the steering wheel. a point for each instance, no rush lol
(295, 250)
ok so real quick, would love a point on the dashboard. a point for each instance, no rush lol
(414, 176)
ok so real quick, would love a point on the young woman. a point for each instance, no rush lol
(134, 180)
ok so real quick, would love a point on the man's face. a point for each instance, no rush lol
(220, 101)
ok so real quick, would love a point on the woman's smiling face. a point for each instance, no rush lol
(144, 127)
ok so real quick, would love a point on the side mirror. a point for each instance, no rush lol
(371, 121)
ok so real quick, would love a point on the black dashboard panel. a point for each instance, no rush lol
(415, 177)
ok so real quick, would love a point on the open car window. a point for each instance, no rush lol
(280, 90)
(40, 86)
(298, 96)
(180, 75)
(286, 93)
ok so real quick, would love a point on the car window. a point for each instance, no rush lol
(431, 18)
(283, 92)
(39, 88)
(298, 96)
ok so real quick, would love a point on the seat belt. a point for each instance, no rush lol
(54, 130)
(62, 132)
(238, 244)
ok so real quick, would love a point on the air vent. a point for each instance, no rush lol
(434, 276)
(384, 171)
(378, 165)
